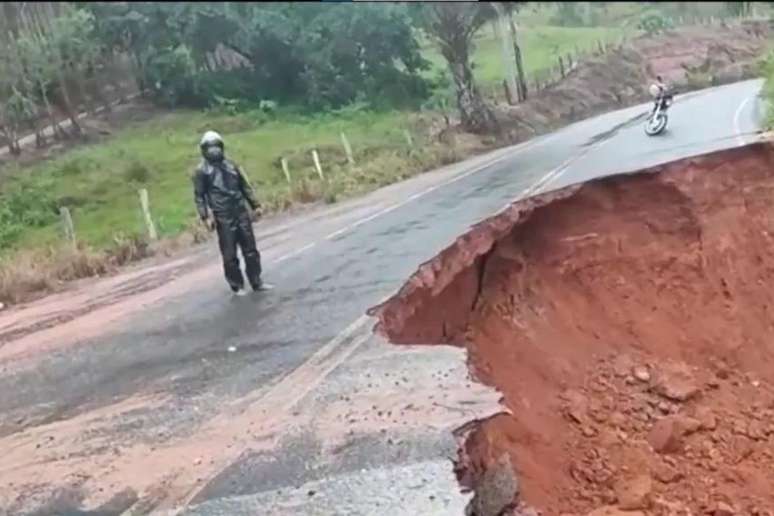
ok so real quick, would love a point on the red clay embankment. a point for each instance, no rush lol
(629, 324)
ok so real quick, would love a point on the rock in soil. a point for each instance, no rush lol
(641, 373)
(666, 473)
(665, 437)
(707, 418)
(496, 491)
(723, 509)
(634, 493)
(675, 382)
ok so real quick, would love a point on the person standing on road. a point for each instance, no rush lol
(222, 194)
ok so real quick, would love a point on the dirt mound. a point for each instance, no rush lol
(628, 324)
(691, 58)
(711, 50)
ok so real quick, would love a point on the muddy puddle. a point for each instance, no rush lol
(628, 323)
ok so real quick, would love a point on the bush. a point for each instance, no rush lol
(567, 15)
(767, 69)
(654, 23)
(170, 73)
(22, 207)
(136, 172)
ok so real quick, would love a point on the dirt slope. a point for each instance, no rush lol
(691, 58)
(628, 323)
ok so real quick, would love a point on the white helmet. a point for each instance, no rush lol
(211, 146)
(210, 138)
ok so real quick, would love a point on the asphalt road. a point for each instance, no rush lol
(284, 402)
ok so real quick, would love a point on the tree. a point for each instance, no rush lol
(653, 23)
(739, 9)
(502, 15)
(35, 50)
(321, 55)
(73, 50)
(453, 25)
(49, 51)
(517, 52)
(568, 14)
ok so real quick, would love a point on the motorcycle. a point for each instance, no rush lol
(657, 121)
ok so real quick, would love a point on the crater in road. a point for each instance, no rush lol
(628, 323)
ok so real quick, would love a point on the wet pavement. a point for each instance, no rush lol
(284, 402)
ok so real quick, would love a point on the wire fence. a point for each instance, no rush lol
(564, 64)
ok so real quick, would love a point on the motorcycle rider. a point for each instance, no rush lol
(221, 192)
(660, 92)
(660, 84)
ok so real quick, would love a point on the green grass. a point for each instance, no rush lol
(99, 182)
(767, 92)
(540, 47)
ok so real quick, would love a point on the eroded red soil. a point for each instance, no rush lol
(628, 323)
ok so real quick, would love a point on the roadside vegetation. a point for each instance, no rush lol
(767, 93)
(278, 80)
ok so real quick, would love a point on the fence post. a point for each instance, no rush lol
(285, 169)
(145, 206)
(409, 139)
(317, 167)
(347, 148)
(67, 225)
(561, 67)
(508, 97)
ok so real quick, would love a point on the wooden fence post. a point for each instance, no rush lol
(145, 206)
(347, 148)
(409, 139)
(285, 169)
(317, 166)
(67, 225)
(561, 67)
(507, 90)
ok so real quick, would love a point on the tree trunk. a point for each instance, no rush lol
(97, 92)
(67, 104)
(40, 138)
(12, 136)
(522, 81)
(501, 32)
(56, 129)
(85, 93)
(475, 115)
(139, 75)
(40, 24)
(114, 76)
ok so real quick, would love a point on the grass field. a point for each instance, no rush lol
(99, 182)
(540, 48)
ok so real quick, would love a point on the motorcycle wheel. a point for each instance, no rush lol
(657, 125)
